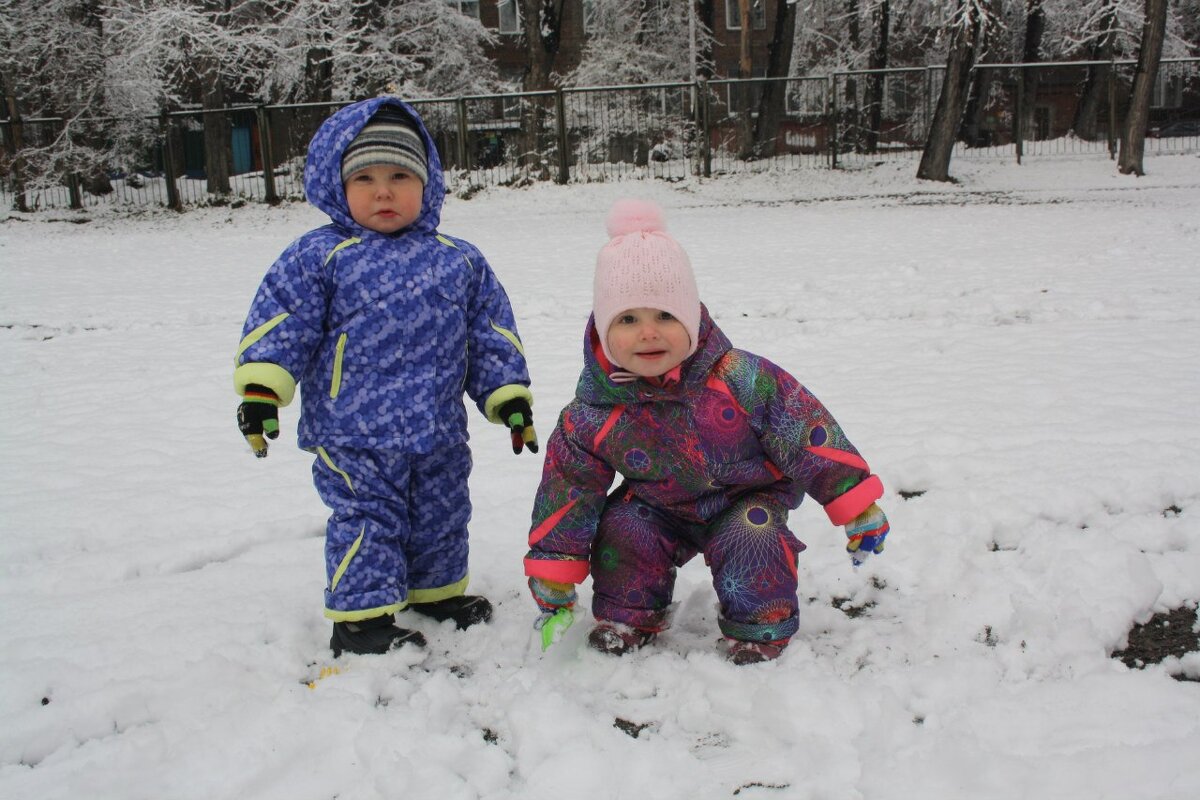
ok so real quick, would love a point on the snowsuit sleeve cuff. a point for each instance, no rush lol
(556, 570)
(491, 406)
(272, 376)
(849, 505)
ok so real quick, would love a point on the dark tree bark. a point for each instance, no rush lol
(745, 132)
(971, 131)
(217, 132)
(851, 120)
(1133, 134)
(14, 144)
(952, 102)
(540, 23)
(882, 18)
(1094, 87)
(774, 94)
(1035, 28)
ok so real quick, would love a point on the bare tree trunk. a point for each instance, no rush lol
(1086, 112)
(935, 160)
(218, 136)
(15, 144)
(779, 60)
(745, 132)
(1035, 27)
(1133, 136)
(217, 132)
(875, 84)
(540, 25)
(851, 120)
(971, 131)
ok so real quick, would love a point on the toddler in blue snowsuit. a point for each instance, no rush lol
(384, 323)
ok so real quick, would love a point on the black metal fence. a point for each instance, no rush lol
(666, 131)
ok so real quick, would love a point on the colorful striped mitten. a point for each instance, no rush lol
(866, 534)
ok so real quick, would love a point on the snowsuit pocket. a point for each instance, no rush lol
(335, 383)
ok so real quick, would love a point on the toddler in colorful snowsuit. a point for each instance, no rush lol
(384, 323)
(715, 446)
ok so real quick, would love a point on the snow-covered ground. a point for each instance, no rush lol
(1016, 356)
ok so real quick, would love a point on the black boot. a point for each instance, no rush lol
(371, 636)
(617, 640)
(466, 610)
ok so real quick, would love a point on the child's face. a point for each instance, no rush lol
(384, 198)
(647, 342)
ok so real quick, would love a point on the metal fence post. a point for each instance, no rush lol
(705, 130)
(173, 201)
(564, 155)
(833, 122)
(460, 150)
(73, 189)
(1112, 110)
(1019, 115)
(267, 154)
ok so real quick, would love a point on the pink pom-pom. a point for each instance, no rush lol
(633, 216)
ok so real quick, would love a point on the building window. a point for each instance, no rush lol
(1168, 90)
(468, 8)
(510, 18)
(733, 15)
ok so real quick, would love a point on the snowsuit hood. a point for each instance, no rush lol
(323, 168)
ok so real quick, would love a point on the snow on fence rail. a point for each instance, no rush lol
(667, 131)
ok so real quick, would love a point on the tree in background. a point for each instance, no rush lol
(635, 41)
(1133, 134)
(52, 65)
(773, 99)
(170, 55)
(632, 42)
(966, 29)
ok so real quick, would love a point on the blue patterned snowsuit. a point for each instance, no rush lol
(383, 334)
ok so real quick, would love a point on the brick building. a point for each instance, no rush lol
(575, 17)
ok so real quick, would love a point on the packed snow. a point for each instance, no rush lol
(1015, 355)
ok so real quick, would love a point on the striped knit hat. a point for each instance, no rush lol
(390, 138)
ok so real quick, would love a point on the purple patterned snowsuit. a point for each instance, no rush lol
(711, 464)
(384, 334)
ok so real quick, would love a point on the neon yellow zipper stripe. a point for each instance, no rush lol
(341, 570)
(335, 385)
(507, 334)
(341, 245)
(258, 333)
(324, 454)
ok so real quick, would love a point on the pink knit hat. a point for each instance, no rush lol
(643, 267)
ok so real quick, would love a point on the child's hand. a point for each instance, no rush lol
(552, 595)
(519, 419)
(258, 417)
(866, 533)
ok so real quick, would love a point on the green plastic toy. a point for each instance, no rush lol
(553, 626)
